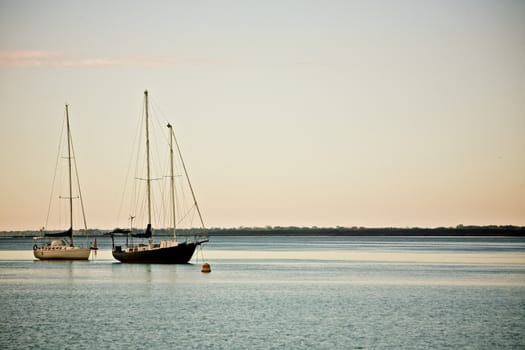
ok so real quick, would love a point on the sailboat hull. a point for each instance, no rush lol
(180, 254)
(62, 253)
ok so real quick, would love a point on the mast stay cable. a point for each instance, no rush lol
(55, 174)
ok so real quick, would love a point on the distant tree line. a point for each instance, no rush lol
(460, 230)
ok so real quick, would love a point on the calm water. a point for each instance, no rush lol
(273, 293)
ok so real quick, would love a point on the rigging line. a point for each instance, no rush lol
(158, 114)
(78, 182)
(157, 128)
(55, 174)
(140, 206)
(136, 200)
(164, 195)
(188, 212)
(158, 134)
(188, 178)
(158, 111)
(156, 218)
(162, 201)
(183, 203)
(202, 252)
(126, 178)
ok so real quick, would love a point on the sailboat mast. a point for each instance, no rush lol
(148, 179)
(172, 192)
(69, 165)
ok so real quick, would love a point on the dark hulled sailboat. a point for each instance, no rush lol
(167, 251)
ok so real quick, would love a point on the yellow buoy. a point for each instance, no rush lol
(206, 268)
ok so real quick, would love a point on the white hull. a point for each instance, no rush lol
(62, 253)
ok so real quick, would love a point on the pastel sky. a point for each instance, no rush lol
(326, 113)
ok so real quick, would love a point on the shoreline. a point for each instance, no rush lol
(460, 231)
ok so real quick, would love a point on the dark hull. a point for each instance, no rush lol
(181, 254)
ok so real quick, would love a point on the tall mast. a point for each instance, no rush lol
(70, 182)
(148, 179)
(172, 192)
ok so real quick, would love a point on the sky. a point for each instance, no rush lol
(289, 113)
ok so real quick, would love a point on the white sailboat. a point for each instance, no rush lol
(60, 246)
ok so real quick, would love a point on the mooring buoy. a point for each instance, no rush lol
(206, 268)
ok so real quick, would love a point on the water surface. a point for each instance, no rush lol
(273, 293)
